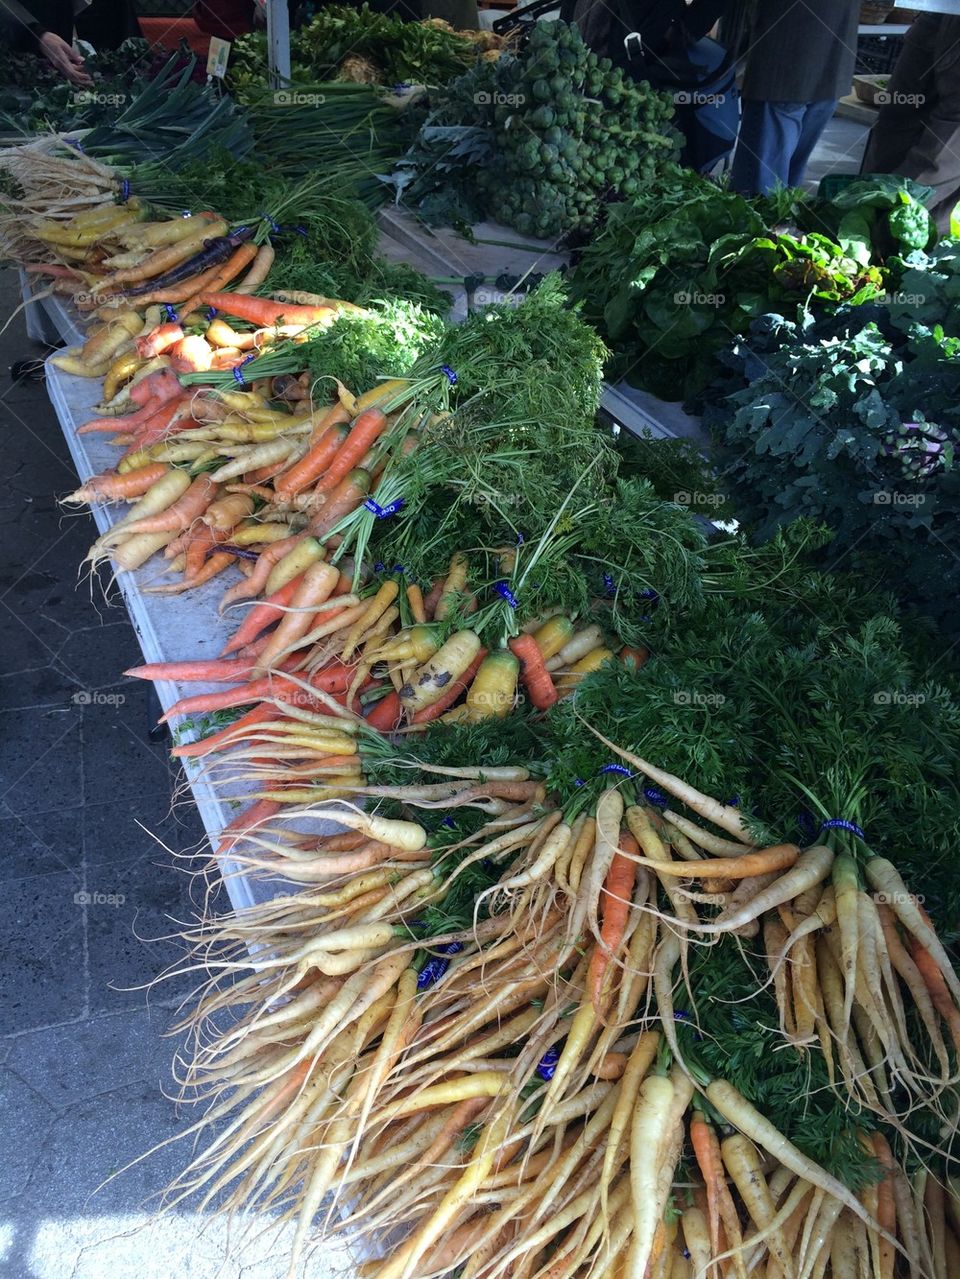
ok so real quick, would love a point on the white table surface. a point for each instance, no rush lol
(169, 627)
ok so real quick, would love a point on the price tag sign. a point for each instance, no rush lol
(218, 56)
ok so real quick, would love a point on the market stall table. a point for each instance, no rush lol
(169, 627)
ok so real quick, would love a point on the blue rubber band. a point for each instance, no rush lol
(171, 312)
(384, 512)
(449, 373)
(610, 584)
(616, 768)
(504, 591)
(124, 190)
(185, 213)
(655, 797)
(238, 371)
(547, 1064)
(840, 823)
(379, 567)
(434, 968)
(274, 225)
(211, 312)
(398, 569)
(449, 822)
(519, 539)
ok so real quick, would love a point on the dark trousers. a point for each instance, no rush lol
(775, 142)
(917, 134)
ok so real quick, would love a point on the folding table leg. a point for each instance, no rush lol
(155, 732)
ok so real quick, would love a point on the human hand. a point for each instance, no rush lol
(62, 56)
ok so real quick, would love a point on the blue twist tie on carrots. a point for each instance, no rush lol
(547, 1065)
(384, 512)
(449, 373)
(238, 371)
(840, 823)
(434, 968)
(379, 567)
(448, 821)
(399, 569)
(185, 213)
(274, 224)
(124, 190)
(616, 768)
(211, 312)
(655, 797)
(609, 584)
(504, 591)
(734, 803)
(519, 539)
(171, 312)
(578, 781)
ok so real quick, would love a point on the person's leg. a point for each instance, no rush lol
(769, 133)
(900, 122)
(816, 117)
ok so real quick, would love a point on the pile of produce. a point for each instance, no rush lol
(539, 140)
(680, 266)
(615, 852)
(35, 97)
(345, 43)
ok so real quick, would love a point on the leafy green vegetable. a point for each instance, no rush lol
(540, 141)
(341, 42)
(358, 349)
(676, 270)
(857, 427)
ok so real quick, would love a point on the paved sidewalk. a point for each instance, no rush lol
(89, 902)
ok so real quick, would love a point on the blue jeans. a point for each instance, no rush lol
(775, 142)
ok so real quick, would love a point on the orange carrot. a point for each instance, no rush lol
(255, 815)
(707, 1150)
(415, 600)
(313, 463)
(616, 897)
(261, 615)
(886, 1206)
(536, 678)
(159, 339)
(316, 586)
(937, 988)
(635, 657)
(237, 262)
(346, 497)
(335, 415)
(211, 566)
(183, 512)
(451, 693)
(432, 598)
(334, 678)
(213, 671)
(387, 713)
(199, 547)
(366, 429)
(263, 311)
(110, 484)
(227, 736)
(266, 561)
